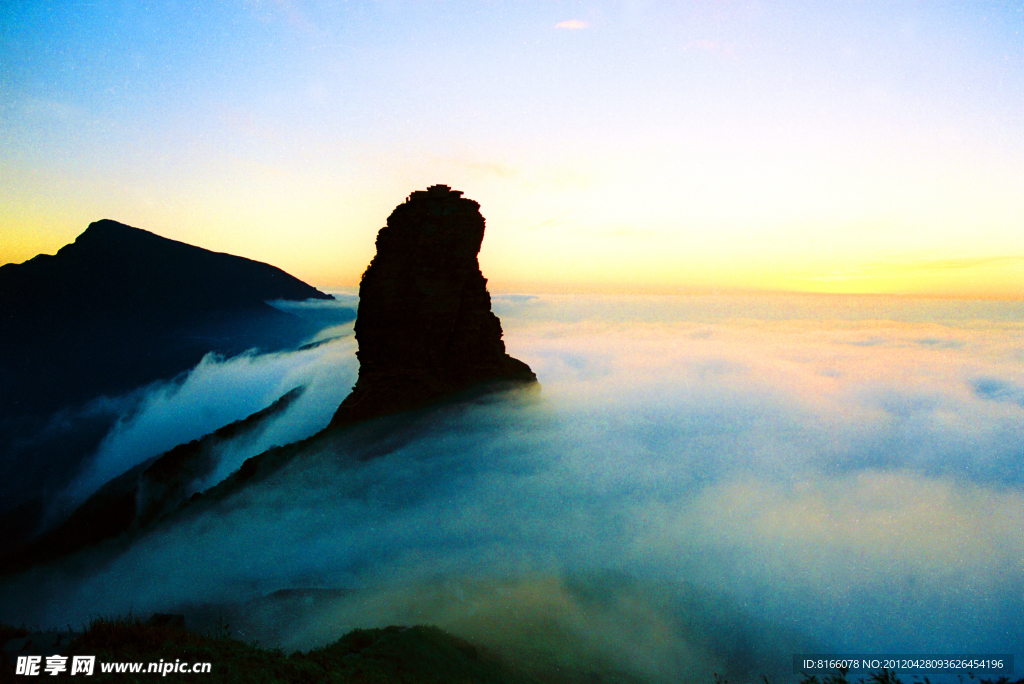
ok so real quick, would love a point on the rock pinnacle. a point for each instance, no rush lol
(424, 326)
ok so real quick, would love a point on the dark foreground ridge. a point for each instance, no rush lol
(424, 326)
(399, 655)
(161, 649)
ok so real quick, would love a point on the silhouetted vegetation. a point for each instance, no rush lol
(7, 633)
(399, 655)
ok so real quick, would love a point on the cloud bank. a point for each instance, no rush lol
(847, 471)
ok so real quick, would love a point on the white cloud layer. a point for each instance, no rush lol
(218, 392)
(849, 470)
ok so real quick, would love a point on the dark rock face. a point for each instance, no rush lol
(424, 325)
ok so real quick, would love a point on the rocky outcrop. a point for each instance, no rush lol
(424, 325)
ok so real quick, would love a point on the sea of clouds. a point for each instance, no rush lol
(731, 477)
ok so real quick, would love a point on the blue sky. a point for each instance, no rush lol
(838, 147)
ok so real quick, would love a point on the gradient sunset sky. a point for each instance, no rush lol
(670, 147)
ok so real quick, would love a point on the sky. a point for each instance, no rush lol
(848, 147)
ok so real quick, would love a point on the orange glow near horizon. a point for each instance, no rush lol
(525, 261)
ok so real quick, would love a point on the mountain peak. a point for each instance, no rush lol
(111, 227)
(108, 230)
(113, 235)
(119, 294)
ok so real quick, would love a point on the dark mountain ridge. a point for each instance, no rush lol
(115, 270)
(118, 309)
(142, 495)
(121, 307)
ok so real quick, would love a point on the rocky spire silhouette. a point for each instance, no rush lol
(424, 326)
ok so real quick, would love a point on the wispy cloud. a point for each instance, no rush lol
(572, 24)
(218, 392)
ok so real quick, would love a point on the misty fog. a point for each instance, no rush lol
(701, 479)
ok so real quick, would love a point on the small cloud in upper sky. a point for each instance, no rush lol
(572, 24)
(712, 46)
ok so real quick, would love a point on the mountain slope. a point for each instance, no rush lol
(116, 310)
(121, 307)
